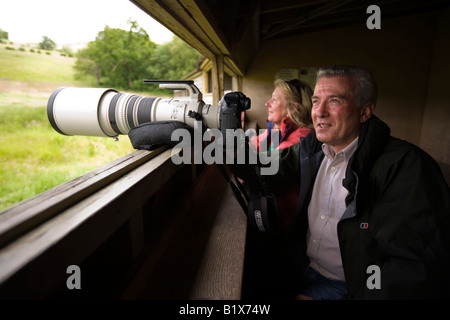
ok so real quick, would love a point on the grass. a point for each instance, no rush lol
(28, 66)
(33, 156)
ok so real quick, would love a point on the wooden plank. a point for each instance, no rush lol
(220, 273)
(73, 234)
(204, 22)
(137, 232)
(171, 265)
(217, 78)
(27, 214)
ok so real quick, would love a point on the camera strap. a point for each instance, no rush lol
(263, 212)
(260, 207)
(238, 188)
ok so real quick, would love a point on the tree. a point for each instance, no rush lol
(47, 44)
(117, 57)
(173, 60)
(67, 51)
(88, 62)
(123, 59)
(3, 35)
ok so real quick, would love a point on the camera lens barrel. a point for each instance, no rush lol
(126, 111)
(107, 113)
(81, 111)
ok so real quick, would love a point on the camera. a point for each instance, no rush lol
(107, 112)
(150, 122)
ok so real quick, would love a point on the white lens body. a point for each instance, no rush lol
(76, 111)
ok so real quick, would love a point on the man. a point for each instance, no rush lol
(373, 209)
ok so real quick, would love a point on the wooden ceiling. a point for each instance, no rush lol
(236, 28)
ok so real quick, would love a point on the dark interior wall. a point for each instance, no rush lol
(405, 56)
(435, 137)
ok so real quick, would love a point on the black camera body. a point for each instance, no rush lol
(231, 107)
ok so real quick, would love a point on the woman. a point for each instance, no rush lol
(289, 110)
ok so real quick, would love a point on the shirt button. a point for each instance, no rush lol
(333, 168)
(322, 217)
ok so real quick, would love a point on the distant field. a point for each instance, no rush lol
(33, 157)
(34, 67)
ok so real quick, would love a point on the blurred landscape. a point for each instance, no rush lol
(33, 156)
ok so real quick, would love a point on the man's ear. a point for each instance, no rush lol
(366, 111)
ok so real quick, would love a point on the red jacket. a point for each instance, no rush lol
(290, 134)
(287, 196)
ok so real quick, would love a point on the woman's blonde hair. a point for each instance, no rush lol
(298, 97)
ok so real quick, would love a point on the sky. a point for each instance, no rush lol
(73, 21)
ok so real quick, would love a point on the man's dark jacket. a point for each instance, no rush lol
(397, 216)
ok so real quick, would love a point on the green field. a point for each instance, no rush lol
(28, 66)
(34, 157)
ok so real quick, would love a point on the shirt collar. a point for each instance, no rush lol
(347, 152)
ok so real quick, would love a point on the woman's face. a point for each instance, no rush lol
(277, 107)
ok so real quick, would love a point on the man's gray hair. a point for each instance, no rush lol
(365, 85)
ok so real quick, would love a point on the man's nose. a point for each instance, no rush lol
(321, 109)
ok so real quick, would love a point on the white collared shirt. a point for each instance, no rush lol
(325, 210)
